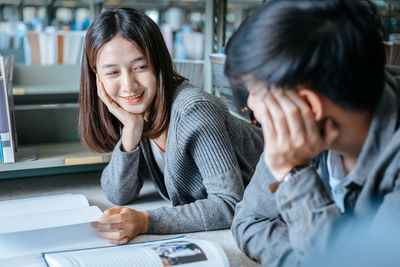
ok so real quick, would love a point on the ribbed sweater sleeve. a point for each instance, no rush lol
(121, 180)
(200, 135)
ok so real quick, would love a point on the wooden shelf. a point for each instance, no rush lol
(43, 89)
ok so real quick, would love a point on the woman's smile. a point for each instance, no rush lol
(133, 99)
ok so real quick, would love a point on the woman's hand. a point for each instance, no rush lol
(133, 123)
(119, 224)
(292, 136)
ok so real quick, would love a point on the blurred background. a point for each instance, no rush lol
(51, 31)
(46, 39)
(48, 32)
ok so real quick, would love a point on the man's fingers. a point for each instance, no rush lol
(293, 116)
(300, 103)
(310, 125)
(278, 117)
(268, 126)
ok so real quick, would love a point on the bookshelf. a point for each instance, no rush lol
(46, 116)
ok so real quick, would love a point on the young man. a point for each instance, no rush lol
(329, 109)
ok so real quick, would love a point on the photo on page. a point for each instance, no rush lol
(179, 252)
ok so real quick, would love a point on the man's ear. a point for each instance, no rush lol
(314, 101)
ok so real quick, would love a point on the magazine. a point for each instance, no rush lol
(178, 251)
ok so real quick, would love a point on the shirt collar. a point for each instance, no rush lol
(380, 133)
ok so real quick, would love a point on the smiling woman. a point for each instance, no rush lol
(158, 125)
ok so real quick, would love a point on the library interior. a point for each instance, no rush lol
(46, 41)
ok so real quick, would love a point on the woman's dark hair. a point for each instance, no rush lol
(98, 128)
(333, 47)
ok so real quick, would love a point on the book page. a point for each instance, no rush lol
(41, 204)
(52, 223)
(33, 243)
(124, 256)
(170, 252)
(49, 219)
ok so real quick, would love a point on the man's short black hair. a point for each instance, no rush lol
(333, 47)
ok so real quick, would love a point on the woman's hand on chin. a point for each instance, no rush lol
(133, 123)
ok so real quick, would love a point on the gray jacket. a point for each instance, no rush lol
(287, 227)
(210, 158)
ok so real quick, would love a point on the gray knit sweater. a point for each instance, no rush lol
(210, 158)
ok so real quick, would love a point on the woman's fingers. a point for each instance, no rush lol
(104, 96)
(115, 237)
(113, 210)
(121, 114)
(119, 242)
(106, 99)
(112, 227)
(121, 224)
(111, 219)
(107, 226)
(101, 92)
(116, 234)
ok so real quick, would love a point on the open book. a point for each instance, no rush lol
(168, 252)
(31, 226)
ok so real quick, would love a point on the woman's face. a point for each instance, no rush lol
(127, 75)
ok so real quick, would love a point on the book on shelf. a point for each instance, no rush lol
(31, 226)
(8, 140)
(73, 47)
(178, 251)
(55, 231)
(34, 48)
(51, 47)
(48, 46)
